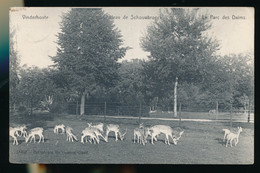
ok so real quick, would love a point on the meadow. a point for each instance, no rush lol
(201, 143)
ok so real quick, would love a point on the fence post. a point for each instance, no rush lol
(105, 111)
(175, 98)
(140, 112)
(231, 114)
(249, 111)
(180, 115)
(216, 110)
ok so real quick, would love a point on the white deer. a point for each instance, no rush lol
(89, 132)
(98, 130)
(116, 129)
(175, 133)
(13, 133)
(213, 111)
(21, 129)
(99, 126)
(162, 129)
(231, 136)
(70, 135)
(59, 127)
(33, 132)
(141, 134)
(226, 132)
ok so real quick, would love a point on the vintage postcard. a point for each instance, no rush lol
(132, 85)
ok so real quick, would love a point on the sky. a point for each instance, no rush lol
(35, 38)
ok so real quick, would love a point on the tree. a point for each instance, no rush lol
(30, 87)
(14, 70)
(240, 71)
(130, 85)
(89, 47)
(179, 47)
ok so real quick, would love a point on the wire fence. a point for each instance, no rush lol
(108, 108)
(219, 112)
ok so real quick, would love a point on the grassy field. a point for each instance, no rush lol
(201, 143)
(204, 115)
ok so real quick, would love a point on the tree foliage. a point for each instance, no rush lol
(130, 85)
(89, 47)
(86, 64)
(14, 69)
(179, 46)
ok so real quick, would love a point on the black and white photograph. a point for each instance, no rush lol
(131, 85)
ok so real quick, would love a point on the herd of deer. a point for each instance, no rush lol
(92, 133)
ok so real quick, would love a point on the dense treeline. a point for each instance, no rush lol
(86, 68)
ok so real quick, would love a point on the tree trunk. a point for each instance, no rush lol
(175, 98)
(77, 105)
(231, 115)
(248, 118)
(105, 111)
(140, 113)
(180, 115)
(31, 106)
(156, 103)
(82, 103)
(245, 108)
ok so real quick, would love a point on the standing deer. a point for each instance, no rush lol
(140, 135)
(226, 133)
(231, 136)
(13, 133)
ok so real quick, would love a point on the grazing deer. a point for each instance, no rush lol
(99, 126)
(33, 132)
(59, 127)
(158, 129)
(175, 133)
(70, 135)
(231, 136)
(213, 111)
(178, 138)
(98, 131)
(115, 128)
(89, 132)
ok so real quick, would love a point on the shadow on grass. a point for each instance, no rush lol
(22, 141)
(37, 140)
(220, 141)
